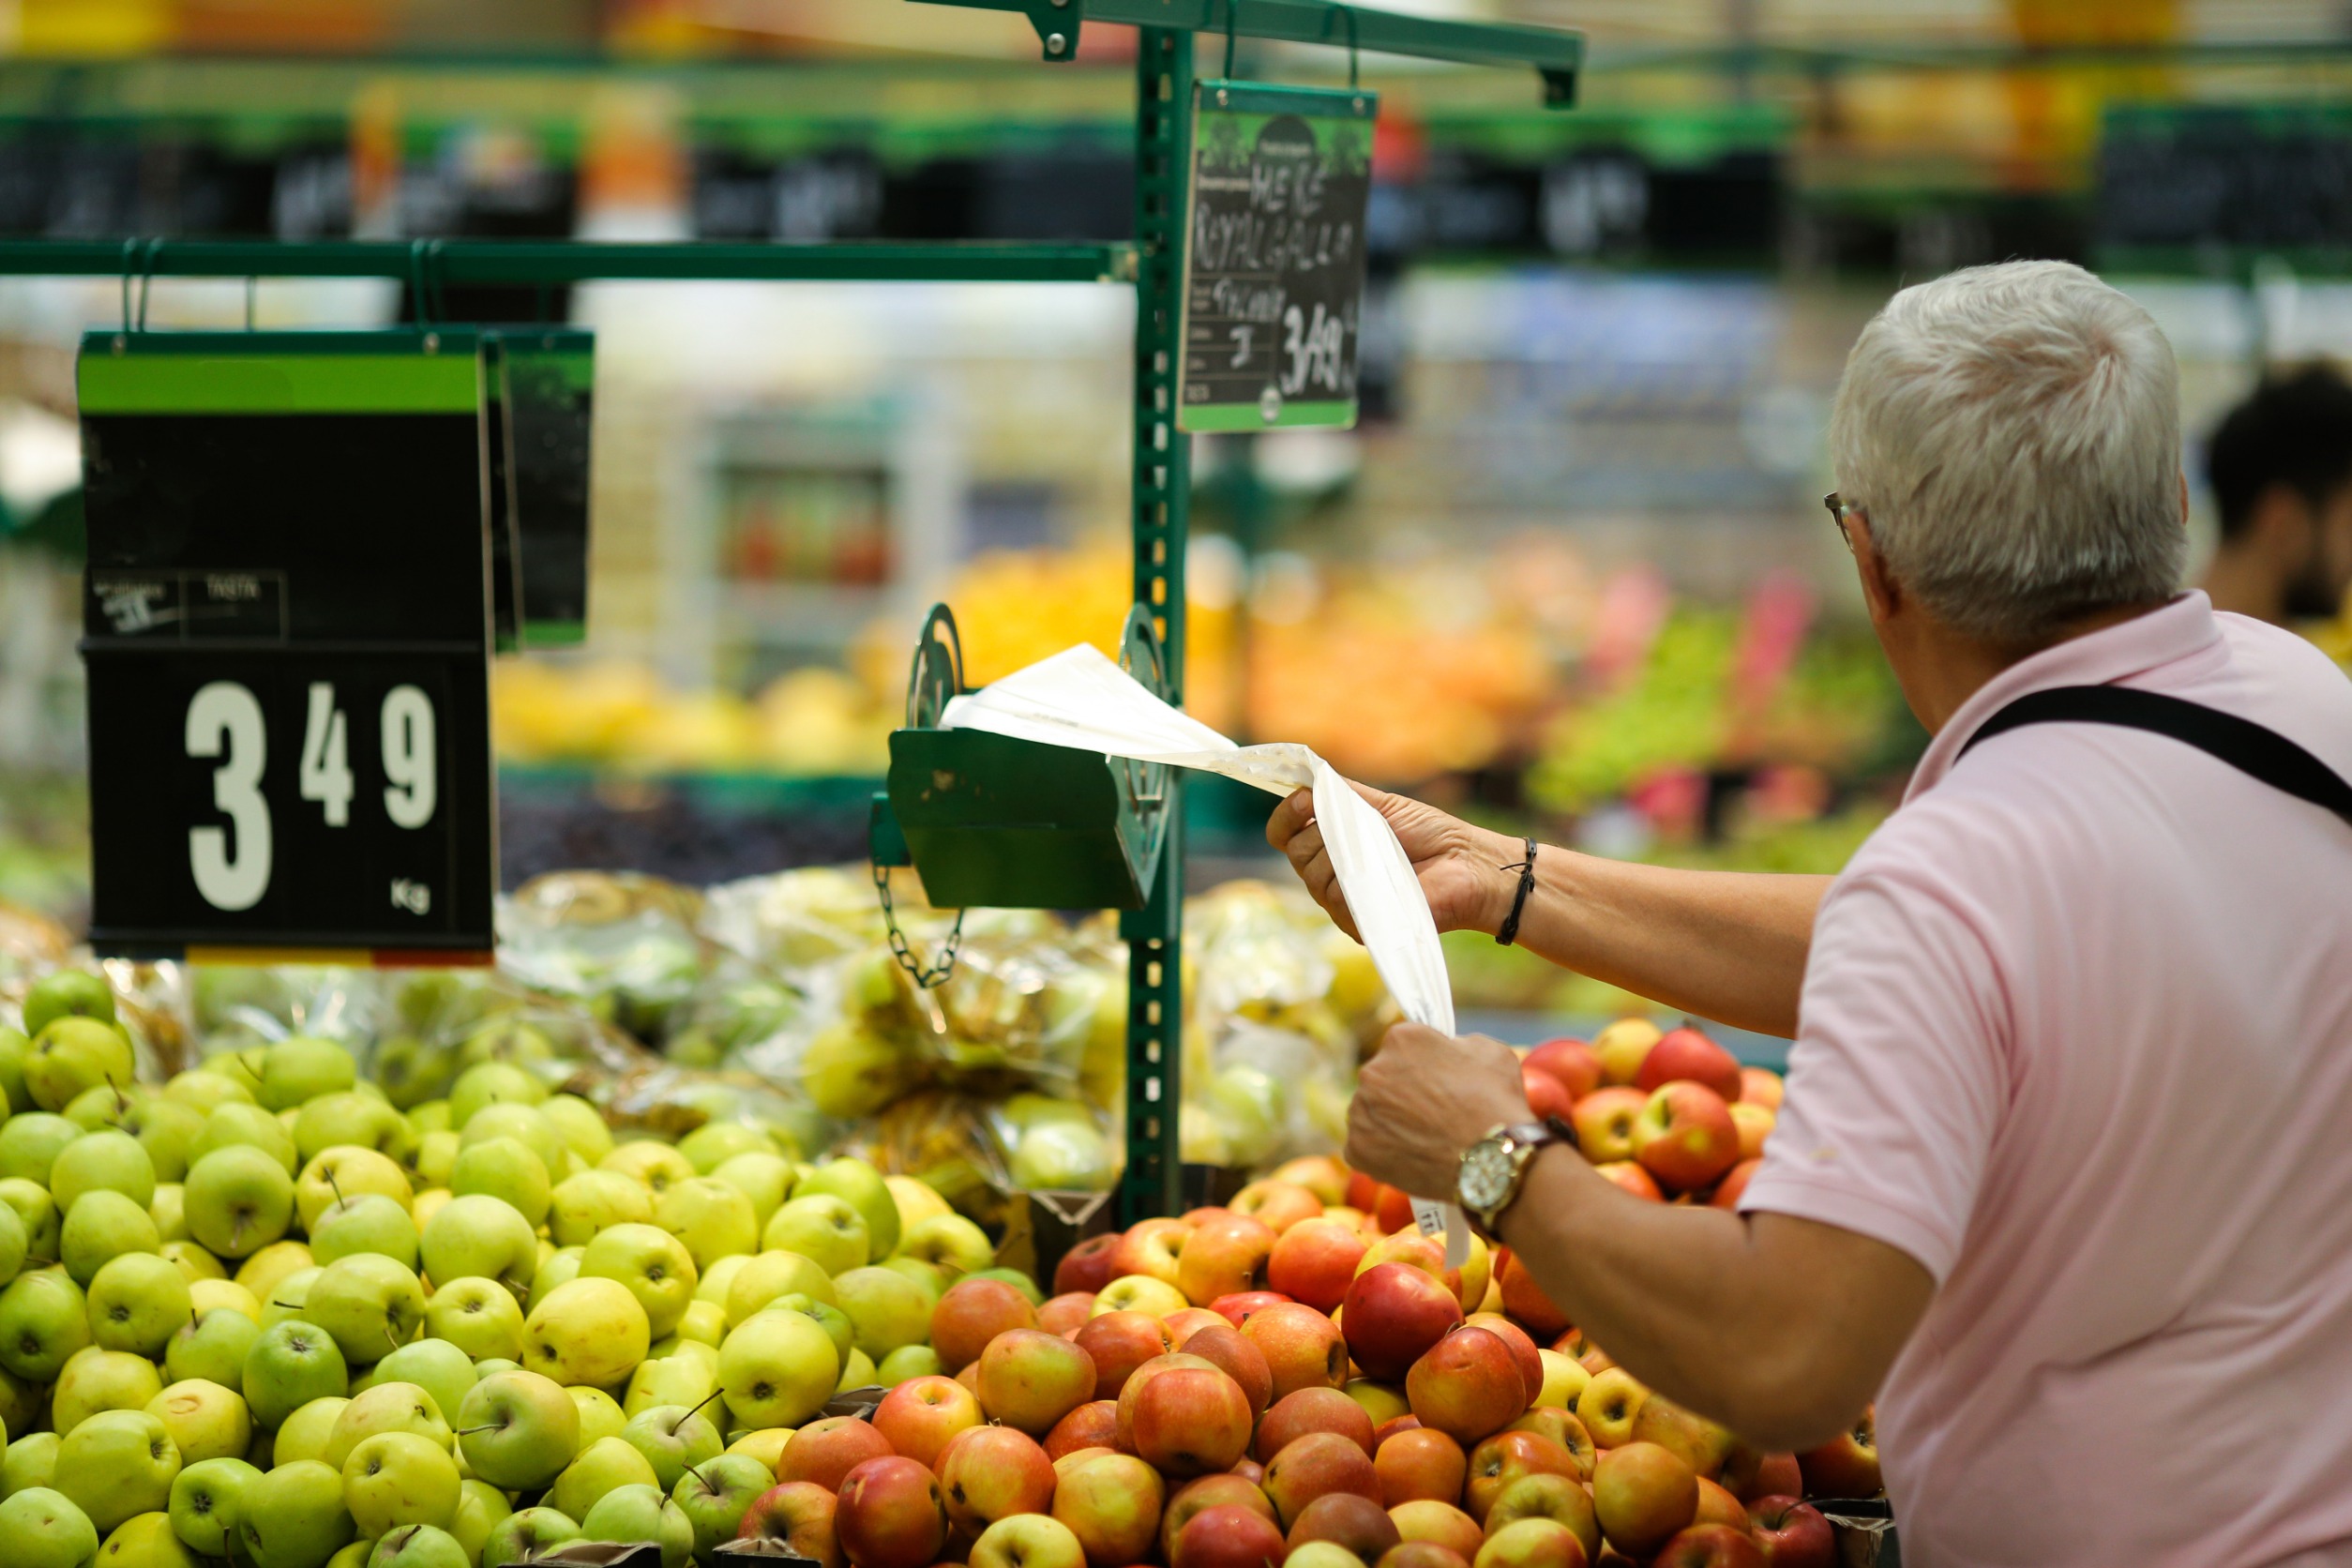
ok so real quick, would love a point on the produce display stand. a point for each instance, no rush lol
(1152, 265)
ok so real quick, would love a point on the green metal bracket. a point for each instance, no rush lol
(1556, 55)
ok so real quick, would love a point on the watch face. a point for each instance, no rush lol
(1486, 1174)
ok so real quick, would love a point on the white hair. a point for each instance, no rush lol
(2013, 434)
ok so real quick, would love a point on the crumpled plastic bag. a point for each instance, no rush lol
(1080, 700)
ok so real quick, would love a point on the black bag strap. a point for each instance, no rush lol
(2251, 748)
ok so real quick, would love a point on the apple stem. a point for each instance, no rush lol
(469, 1431)
(332, 1186)
(692, 1413)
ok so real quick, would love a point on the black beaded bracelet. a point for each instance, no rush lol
(1519, 905)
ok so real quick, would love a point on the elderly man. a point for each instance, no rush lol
(2064, 1178)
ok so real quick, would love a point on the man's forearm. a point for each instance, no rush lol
(1724, 945)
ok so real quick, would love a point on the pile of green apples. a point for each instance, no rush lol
(257, 1314)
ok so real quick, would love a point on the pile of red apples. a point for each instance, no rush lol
(1295, 1379)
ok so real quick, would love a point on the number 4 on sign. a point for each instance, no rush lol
(326, 768)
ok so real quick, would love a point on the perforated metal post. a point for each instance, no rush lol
(1162, 483)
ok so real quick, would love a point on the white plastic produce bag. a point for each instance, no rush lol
(1079, 699)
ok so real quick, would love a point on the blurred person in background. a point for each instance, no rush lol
(2281, 468)
(2062, 1180)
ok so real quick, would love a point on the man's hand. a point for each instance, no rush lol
(1424, 1099)
(1459, 865)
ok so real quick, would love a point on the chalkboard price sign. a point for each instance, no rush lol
(1274, 256)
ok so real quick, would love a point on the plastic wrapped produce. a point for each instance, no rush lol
(623, 944)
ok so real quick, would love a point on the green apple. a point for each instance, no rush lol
(524, 1123)
(581, 1126)
(672, 1437)
(14, 1242)
(287, 1296)
(368, 1223)
(30, 1142)
(590, 1331)
(292, 1364)
(239, 1198)
(15, 1099)
(205, 1420)
(491, 1083)
(480, 1508)
(204, 1501)
(392, 1406)
(136, 1301)
(685, 1380)
(518, 1430)
(657, 1166)
(519, 1537)
(640, 1513)
(434, 1157)
(305, 1434)
(717, 1280)
(762, 1176)
(714, 1143)
(853, 1072)
(168, 1207)
(858, 1372)
(560, 1267)
(261, 1272)
(600, 1417)
(212, 1347)
(885, 1307)
(301, 1069)
(823, 1228)
(411, 1072)
(777, 1369)
(44, 1529)
(293, 1516)
(29, 1461)
(484, 1237)
(1014, 1278)
(905, 1363)
(418, 1546)
(71, 1054)
(35, 1211)
(861, 1187)
(116, 1464)
(342, 1173)
(107, 1161)
(703, 1322)
(204, 1091)
(480, 1317)
(168, 1131)
(369, 1303)
(236, 1126)
(432, 1116)
(949, 1242)
(439, 1368)
(595, 1201)
(66, 992)
(44, 1319)
(94, 1382)
(927, 1278)
(100, 1109)
(104, 1226)
(602, 1466)
(187, 1254)
(144, 1541)
(353, 1119)
(506, 1039)
(771, 1274)
(398, 1478)
(654, 1266)
(715, 1494)
(504, 1168)
(711, 1217)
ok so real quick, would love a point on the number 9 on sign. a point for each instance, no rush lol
(409, 766)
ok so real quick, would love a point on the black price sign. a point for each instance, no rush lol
(1274, 256)
(288, 633)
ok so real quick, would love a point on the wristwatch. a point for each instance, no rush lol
(1494, 1167)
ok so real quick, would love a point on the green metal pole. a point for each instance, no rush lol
(1161, 491)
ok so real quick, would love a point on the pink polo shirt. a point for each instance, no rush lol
(2076, 1033)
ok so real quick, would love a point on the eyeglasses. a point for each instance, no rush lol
(1839, 511)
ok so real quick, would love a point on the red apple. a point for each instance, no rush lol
(1394, 1314)
(1697, 1441)
(1223, 1258)
(1345, 1519)
(1755, 1124)
(1761, 1086)
(1525, 1301)
(1228, 1347)
(1226, 1536)
(826, 1450)
(1183, 1323)
(1251, 1472)
(1150, 1246)
(1751, 1476)
(1686, 1053)
(1557, 1497)
(1276, 1204)
(1422, 1554)
(1190, 1421)
(1532, 1542)
(1710, 1546)
(1313, 1261)
(1503, 1459)
(1467, 1283)
(1522, 1348)
(1643, 1496)
(1238, 1307)
(1092, 1424)
(1604, 1121)
(1302, 1346)
(1684, 1136)
(1467, 1386)
(1063, 1313)
(800, 1514)
(1717, 1506)
(1111, 1502)
(1439, 1523)
(1569, 1062)
(1394, 1427)
(889, 1514)
(1202, 1493)
(1564, 1429)
(971, 1312)
(1792, 1534)
(1086, 1266)
(1734, 1186)
(1315, 1465)
(1362, 1192)
(1848, 1465)
(1392, 1210)
(1546, 1096)
(1633, 1178)
(1118, 1343)
(1620, 1047)
(1312, 1409)
(1030, 1378)
(1420, 1465)
(992, 1473)
(920, 1415)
